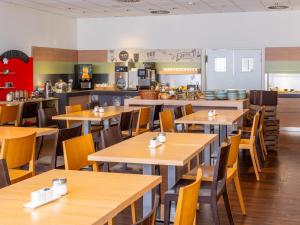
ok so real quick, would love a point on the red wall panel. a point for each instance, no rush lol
(21, 76)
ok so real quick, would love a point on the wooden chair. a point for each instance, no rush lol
(143, 122)
(126, 124)
(178, 113)
(166, 121)
(45, 117)
(9, 114)
(193, 128)
(43, 163)
(72, 109)
(261, 131)
(19, 152)
(4, 175)
(76, 151)
(187, 202)
(155, 123)
(250, 145)
(29, 115)
(150, 218)
(232, 170)
(210, 192)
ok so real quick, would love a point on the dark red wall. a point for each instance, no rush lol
(22, 76)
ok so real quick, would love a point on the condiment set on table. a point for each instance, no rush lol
(157, 141)
(46, 195)
(211, 113)
(98, 109)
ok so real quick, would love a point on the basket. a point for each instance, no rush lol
(148, 94)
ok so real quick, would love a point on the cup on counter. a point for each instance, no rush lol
(162, 138)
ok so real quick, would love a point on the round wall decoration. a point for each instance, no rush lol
(123, 56)
(15, 54)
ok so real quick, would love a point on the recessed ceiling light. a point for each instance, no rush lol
(128, 1)
(160, 12)
(190, 3)
(277, 6)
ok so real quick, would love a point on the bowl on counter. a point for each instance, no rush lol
(221, 94)
(209, 95)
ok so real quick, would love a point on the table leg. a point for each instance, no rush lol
(206, 152)
(147, 198)
(171, 176)
(106, 124)
(86, 127)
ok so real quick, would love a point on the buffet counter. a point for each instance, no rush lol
(201, 103)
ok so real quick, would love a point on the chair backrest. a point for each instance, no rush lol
(187, 202)
(71, 109)
(19, 152)
(30, 110)
(76, 151)
(143, 118)
(167, 121)
(150, 218)
(220, 168)
(178, 112)
(111, 136)
(157, 110)
(254, 127)
(9, 113)
(66, 134)
(126, 121)
(188, 109)
(45, 117)
(4, 175)
(262, 118)
(234, 150)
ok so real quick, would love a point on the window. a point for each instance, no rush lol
(247, 65)
(220, 65)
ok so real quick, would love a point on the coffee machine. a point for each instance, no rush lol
(83, 76)
(147, 77)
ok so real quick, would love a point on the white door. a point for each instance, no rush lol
(233, 69)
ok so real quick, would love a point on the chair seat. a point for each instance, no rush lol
(195, 128)
(207, 173)
(18, 175)
(142, 130)
(205, 189)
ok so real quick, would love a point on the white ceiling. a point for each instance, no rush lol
(113, 8)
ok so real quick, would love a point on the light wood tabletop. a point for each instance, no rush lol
(93, 198)
(175, 153)
(14, 132)
(90, 115)
(222, 117)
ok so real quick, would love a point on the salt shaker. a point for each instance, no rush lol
(60, 186)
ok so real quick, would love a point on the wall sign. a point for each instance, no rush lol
(155, 55)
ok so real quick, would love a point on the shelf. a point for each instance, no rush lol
(7, 88)
(178, 73)
(1, 73)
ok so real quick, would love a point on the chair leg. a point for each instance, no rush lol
(262, 141)
(254, 163)
(215, 213)
(256, 158)
(133, 213)
(239, 193)
(167, 208)
(227, 206)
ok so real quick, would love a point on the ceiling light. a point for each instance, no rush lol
(160, 12)
(128, 1)
(191, 3)
(277, 6)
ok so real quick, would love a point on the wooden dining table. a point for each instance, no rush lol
(221, 120)
(93, 198)
(15, 132)
(178, 150)
(87, 116)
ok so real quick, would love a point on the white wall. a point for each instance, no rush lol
(230, 30)
(22, 28)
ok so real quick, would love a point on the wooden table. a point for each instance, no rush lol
(93, 198)
(89, 115)
(222, 119)
(15, 132)
(179, 149)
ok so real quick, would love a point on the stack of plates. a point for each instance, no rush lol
(232, 94)
(221, 94)
(209, 95)
(242, 94)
